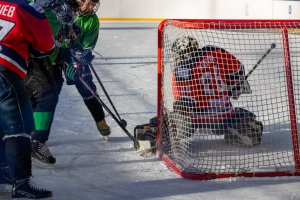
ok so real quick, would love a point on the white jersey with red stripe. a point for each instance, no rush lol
(23, 26)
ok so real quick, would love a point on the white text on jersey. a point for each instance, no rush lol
(7, 10)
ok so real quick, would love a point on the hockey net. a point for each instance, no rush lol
(195, 148)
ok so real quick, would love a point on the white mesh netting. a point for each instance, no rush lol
(211, 120)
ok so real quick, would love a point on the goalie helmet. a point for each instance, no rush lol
(183, 48)
(185, 44)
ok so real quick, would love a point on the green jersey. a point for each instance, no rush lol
(54, 23)
(89, 26)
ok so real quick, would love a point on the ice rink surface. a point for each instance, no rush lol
(89, 168)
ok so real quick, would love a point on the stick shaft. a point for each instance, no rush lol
(106, 108)
(260, 60)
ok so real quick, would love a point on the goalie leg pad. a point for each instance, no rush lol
(248, 133)
(145, 132)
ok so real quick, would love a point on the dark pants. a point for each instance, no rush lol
(44, 82)
(44, 107)
(89, 99)
(16, 124)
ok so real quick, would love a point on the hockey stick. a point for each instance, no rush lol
(99, 54)
(140, 146)
(107, 96)
(273, 45)
(98, 79)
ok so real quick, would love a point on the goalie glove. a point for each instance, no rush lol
(239, 89)
(237, 83)
(84, 57)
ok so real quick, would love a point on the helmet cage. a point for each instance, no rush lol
(96, 5)
(183, 47)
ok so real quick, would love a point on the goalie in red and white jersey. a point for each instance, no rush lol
(204, 82)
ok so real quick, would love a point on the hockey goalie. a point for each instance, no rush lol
(204, 82)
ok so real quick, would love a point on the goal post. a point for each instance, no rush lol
(229, 97)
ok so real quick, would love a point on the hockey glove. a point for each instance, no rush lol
(84, 57)
(60, 9)
(241, 88)
(237, 84)
(70, 72)
(64, 14)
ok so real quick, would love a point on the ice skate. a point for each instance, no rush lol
(24, 189)
(104, 129)
(41, 152)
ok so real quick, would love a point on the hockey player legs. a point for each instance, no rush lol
(16, 121)
(44, 84)
(88, 92)
(81, 53)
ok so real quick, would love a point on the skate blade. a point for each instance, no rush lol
(106, 138)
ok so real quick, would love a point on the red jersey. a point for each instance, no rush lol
(22, 26)
(206, 84)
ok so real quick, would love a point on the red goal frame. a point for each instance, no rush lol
(240, 24)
